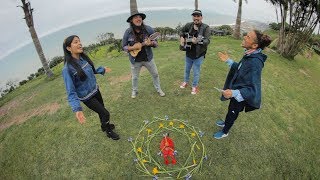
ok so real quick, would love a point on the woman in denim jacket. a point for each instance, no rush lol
(78, 75)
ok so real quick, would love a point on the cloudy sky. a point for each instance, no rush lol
(52, 15)
(18, 57)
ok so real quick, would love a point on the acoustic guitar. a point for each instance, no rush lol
(188, 42)
(152, 37)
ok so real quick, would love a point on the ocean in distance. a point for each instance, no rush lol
(24, 61)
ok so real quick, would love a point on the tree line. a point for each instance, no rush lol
(298, 21)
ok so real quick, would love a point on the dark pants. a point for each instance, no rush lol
(234, 109)
(95, 103)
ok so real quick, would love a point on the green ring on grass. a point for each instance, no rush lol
(146, 162)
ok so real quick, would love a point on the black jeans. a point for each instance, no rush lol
(96, 104)
(234, 109)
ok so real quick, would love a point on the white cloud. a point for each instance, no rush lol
(52, 15)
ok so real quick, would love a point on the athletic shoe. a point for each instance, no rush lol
(161, 93)
(220, 123)
(219, 135)
(195, 90)
(134, 94)
(183, 85)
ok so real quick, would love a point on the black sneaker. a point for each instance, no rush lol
(112, 135)
(107, 126)
(111, 126)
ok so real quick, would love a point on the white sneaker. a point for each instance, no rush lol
(161, 93)
(134, 94)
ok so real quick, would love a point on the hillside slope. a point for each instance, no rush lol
(40, 137)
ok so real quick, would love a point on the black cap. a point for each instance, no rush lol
(196, 12)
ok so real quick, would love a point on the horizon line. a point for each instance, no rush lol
(54, 30)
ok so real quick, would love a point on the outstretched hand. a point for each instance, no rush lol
(223, 56)
(107, 69)
(80, 117)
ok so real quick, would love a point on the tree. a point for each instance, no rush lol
(133, 6)
(106, 38)
(236, 33)
(178, 28)
(196, 4)
(26, 6)
(226, 28)
(302, 17)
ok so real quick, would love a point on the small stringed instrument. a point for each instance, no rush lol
(152, 37)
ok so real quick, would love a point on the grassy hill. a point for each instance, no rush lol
(41, 138)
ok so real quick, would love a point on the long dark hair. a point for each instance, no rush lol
(70, 60)
(263, 40)
(142, 29)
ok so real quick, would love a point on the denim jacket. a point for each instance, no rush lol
(78, 90)
(128, 39)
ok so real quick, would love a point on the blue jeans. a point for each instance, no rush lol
(196, 63)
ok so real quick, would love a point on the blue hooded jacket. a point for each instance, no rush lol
(246, 77)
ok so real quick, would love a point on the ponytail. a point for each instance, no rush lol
(263, 40)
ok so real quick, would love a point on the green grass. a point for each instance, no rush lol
(278, 141)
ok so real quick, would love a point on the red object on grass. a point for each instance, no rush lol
(167, 149)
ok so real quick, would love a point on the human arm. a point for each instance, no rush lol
(73, 99)
(228, 93)
(206, 36)
(125, 43)
(152, 42)
(102, 70)
(224, 57)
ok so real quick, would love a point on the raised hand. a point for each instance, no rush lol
(223, 56)
(107, 69)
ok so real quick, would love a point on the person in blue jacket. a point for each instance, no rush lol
(80, 82)
(137, 44)
(243, 83)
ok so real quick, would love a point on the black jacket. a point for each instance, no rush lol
(204, 30)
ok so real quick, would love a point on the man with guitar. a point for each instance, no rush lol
(138, 40)
(194, 39)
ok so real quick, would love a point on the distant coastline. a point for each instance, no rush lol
(25, 60)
